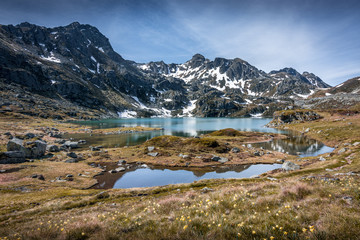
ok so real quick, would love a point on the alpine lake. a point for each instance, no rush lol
(149, 176)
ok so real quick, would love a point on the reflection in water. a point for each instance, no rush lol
(159, 177)
(188, 126)
(295, 145)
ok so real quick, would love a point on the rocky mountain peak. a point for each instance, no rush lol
(288, 70)
(196, 61)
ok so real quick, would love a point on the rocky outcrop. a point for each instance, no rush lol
(19, 150)
(290, 166)
(291, 116)
(30, 149)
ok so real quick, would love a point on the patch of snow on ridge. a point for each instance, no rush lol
(187, 111)
(305, 95)
(248, 101)
(127, 114)
(144, 67)
(140, 104)
(328, 94)
(256, 115)
(51, 58)
(339, 85)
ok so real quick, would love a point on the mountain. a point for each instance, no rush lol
(74, 71)
(343, 96)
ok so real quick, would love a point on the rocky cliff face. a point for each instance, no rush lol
(343, 96)
(73, 70)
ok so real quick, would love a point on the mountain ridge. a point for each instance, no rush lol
(76, 65)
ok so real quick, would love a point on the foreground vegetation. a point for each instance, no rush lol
(319, 201)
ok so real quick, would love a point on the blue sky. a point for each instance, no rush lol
(322, 36)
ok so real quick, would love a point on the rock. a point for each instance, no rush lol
(342, 150)
(52, 148)
(235, 150)
(153, 154)
(144, 166)
(151, 148)
(272, 179)
(215, 158)
(184, 156)
(15, 144)
(82, 142)
(69, 176)
(30, 150)
(72, 160)
(38, 176)
(223, 160)
(322, 158)
(94, 148)
(14, 154)
(35, 149)
(348, 199)
(72, 155)
(206, 190)
(41, 177)
(121, 162)
(257, 153)
(29, 135)
(7, 134)
(307, 130)
(280, 160)
(55, 135)
(120, 169)
(255, 176)
(356, 144)
(60, 141)
(290, 166)
(329, 170)
(71, 145)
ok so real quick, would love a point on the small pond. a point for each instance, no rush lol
(150, 177)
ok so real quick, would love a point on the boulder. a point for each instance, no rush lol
(342, 150)
(235, 150)
(215, 158)
(30, 135)
(322, 158)
(153, 154)
(72, 155)
(70, 144)
(151, 148)
(184, 156)
(35, 149)
(52, 148)
(223, 160)
(30, 149)
(144, 166)
(15, 144)
(94, 148)
(12, 157)
(290, 166)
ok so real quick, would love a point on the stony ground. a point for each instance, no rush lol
(319, 201)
